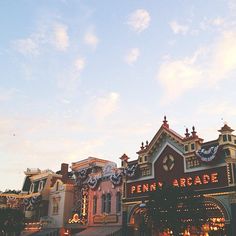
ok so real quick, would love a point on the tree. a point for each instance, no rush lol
(175, 209)
(11, 220)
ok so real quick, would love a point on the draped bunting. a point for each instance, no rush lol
(207, 155)
(92, 182)
(83, 174)
(130, 170)
(116, 178)
(31, 202)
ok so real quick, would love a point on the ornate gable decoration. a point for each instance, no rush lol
(164, 131)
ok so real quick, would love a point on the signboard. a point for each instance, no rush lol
(103, 219)
(199, 180)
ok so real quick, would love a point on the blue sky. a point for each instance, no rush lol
(95, 78)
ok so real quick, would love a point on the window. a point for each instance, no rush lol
(103, 203)
(55, 207)
(140, 159)
(146, 172)
(224, 138)
(192, 162)
(192, 146)
(108, 208)
(118, 202)
(95, 205)
(106, 203)
(186, 148)
(227, 152)
(145, 158)
(229, 138)
(31, 188)
(122, 163)
(40, 187)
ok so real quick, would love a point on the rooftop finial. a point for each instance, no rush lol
(165, 122)
(187, 134)
(194, 132)
(146, 144)
(142, 146)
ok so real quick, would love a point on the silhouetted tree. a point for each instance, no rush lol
(175, 209)
(11, 220)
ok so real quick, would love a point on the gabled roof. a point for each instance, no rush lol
(164, 129)
(226, 128)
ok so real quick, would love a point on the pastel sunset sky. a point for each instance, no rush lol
(84, 78)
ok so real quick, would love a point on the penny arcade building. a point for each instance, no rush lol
(188, 162)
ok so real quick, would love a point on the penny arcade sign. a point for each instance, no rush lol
(202, 180)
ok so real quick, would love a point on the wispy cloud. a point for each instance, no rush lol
(207, 23)
(177, 77)
(106, 105)
(91, 39)
(178, 28)
(132, 56)
(223, 56)
(45, 35)
(61, 38)
(207, 66)
(80, 64)
(27, 46)
(139, 20)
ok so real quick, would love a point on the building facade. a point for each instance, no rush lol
(208, 168)
(97, 198)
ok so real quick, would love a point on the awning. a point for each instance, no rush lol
(99, 231)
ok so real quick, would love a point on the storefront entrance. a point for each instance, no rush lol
(142, 225)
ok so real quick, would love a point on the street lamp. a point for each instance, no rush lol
(142, 226)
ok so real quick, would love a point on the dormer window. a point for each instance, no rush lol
(229, 138)
(41, 185)
(145, 158)
(192, 146)
(140, 159)
(122, 163)
(224, 137)
(31, 188)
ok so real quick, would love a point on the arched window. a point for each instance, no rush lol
(41, 185)
(31, 188)
(103, 203)
(118, 202)
(108, 208)
(95, 205)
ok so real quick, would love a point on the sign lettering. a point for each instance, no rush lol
(180, 182)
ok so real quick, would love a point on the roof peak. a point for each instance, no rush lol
(225, 128)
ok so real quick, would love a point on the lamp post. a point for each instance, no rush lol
(142, 226)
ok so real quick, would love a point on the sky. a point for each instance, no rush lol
(95, 78)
